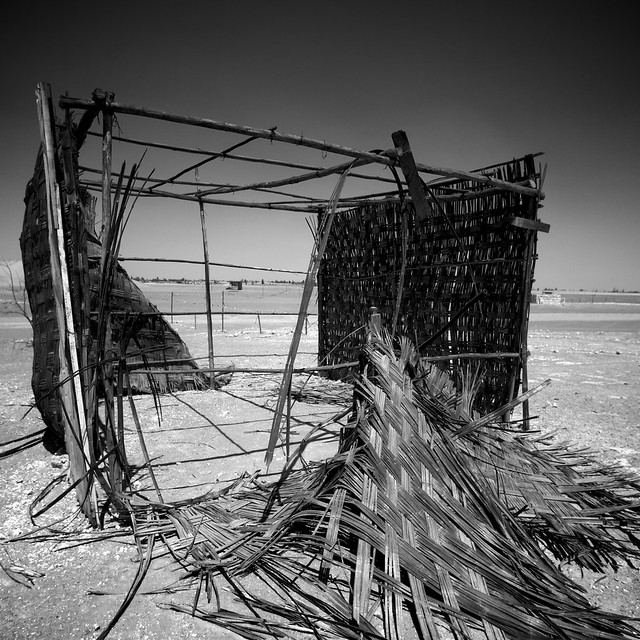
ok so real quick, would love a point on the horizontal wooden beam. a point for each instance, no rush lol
(201, 262)
(67, 102)
(234, 156)
(145, 193)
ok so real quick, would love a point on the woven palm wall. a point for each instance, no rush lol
(456, 282)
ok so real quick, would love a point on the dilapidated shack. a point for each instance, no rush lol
(432, 520)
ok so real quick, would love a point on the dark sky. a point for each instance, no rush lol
(472, 84)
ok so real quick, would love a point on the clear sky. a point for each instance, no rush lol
(472, 84)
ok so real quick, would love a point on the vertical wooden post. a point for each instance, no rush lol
(259, 324)
(79, 222)
(531, 226)
(115, 435)
(524, 328)
(172, 307)
(103, 98)
(223, 311)
(288, 431)
(70, 388)
(207, 284)
(375, 322)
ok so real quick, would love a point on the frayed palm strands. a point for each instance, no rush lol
(411, 528)
(582, 511)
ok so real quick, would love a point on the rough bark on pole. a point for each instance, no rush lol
(207, 284)
(103, 98)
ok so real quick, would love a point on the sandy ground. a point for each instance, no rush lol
(205, 438)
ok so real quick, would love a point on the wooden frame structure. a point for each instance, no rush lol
(414, 203)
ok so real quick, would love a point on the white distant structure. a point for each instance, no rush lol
(547, 297)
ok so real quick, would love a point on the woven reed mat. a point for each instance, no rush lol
(409, 531)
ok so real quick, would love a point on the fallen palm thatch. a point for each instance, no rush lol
(425, 523)
(316, 389)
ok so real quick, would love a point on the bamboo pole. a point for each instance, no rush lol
(207, 284)
(70, 390)
(321, 145)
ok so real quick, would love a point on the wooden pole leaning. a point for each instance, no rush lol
(314, 265)
(70, 388)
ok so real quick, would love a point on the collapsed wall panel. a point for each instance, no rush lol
(456, 282)
(151, 338)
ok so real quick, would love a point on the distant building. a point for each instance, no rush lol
(235, 285)
(547, 297)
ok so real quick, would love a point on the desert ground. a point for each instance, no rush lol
(61, 580)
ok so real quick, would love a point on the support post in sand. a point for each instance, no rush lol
(207, 284)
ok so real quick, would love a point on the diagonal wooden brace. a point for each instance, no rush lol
(408, 166)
